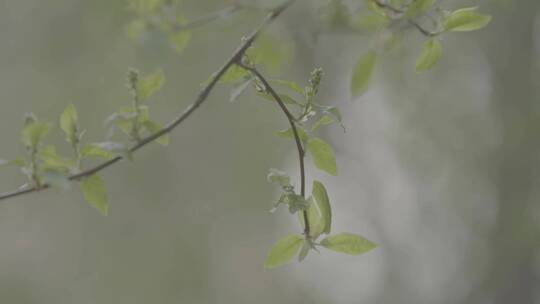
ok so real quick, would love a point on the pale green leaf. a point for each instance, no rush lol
(179, 40)
(51, 160)
(95, 193)
(323, 155)
(271, 52)
(34, 132)
(136, 28)
(288, 133)
(306, 246)
(465, 19)
(419, 7)
(348, 243)
(322, 203)
(279, 177)
(289, 84)
(283, 251)
(144, 7)
(430, 55)
(150, 84)
(154, 127)
(323, 121)
(18, 162)
(68, 123)
(362, 73)
(234, 74)
(92, 150)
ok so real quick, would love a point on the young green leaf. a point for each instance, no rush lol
(51, 160)
(348, 243)
(18, 162)
(464, 20)
(362, 73)
(323, 121)
(92, 150)
(323, 155)
(180, 40)
(283, 251)
(68, 123)
(34, 132)
(154, 127)
(279, 177)
(290, 134)
(150, 84)
(95, 193)
(430, 55)
(289, 84)
(322, 202)
(284, 97)
(306, 246)
(234, 74)
(418, 7)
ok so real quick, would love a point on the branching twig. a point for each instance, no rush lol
(412, 22)
(203, 95)
(291, 119)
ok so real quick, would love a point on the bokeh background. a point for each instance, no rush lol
(440, 169)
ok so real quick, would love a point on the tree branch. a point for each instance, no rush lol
(291, 119)
(203, 95)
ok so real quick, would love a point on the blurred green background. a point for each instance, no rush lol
(440, 169)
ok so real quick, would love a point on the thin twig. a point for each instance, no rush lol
(203, 20)
(203, 95)
(291, 119)
(412, 22)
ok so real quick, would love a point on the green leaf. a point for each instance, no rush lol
(18, 162)
(68, 123)
(144, 7)
(95, 193)
(154, 127)
(370, 21)
(289, 84)
(283, 251)
(418, 7)
(323, 155)
(279, 177)
(51, 160)
(180, 40)
(136, 28)
(430, 55)
(348, 243)
(270, 51)
(284, 97)
(150, 84)
(323, 121)
(238, 89)
(92, 150)
(297, 203)
(322, 203)
(34, 132)
(306, 246)
(290, 134)
(234, 74)
(464, 20)
(362, 73)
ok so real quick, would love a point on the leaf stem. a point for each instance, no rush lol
(291, 119)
